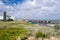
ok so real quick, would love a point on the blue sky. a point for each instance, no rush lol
(31, 9)
(11, 2)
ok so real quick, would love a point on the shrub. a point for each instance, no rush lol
(57, 27)
(41, 35)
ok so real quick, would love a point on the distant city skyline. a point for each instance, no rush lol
(31, 9)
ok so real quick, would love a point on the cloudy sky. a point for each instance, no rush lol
(31, 9)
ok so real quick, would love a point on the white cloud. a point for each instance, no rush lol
(36, 9)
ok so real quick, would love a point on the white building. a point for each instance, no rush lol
(12, 18)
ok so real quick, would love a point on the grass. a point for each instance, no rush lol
(11, 24)
(12, 33)
(13, 30)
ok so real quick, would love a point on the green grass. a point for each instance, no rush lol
(11, 30)
(12, 33)
(12, 24)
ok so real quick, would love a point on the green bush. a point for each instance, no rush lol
(57, 27)
(41, 35)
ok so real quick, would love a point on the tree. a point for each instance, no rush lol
(10, 20)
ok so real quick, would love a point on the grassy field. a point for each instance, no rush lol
(13, 30)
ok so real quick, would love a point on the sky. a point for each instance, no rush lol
(31, 9)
